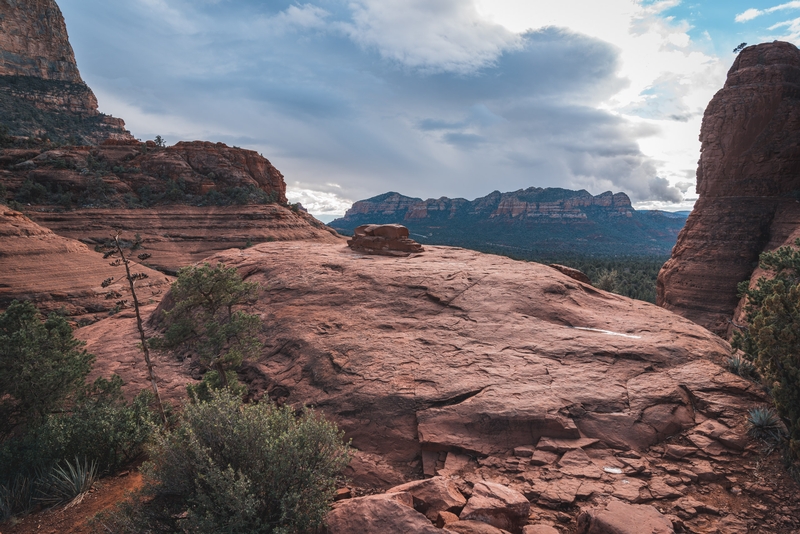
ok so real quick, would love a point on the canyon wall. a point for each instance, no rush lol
(748, 179)
(42, 93)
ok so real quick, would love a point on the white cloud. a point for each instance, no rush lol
(431, 35)
(671, 78)
(752, 13)
(318, 202)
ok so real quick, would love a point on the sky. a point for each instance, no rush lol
(429, 98)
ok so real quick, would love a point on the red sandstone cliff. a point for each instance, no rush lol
(34, 41)
(748, 178)
(41, 88)
(186, 201)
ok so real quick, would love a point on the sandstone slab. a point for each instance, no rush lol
(621, 518)
(497, 505)
(390, 513)
(434, 495)
(459, 351)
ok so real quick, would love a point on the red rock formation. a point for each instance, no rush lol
(748, 179)
(59, 273)
(40, 85)
(383, 239)
(34, 41)
(480, 368)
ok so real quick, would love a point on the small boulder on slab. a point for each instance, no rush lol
(387, 513)
(383, 239)
(434, 495)
(497, 505)
(618, 517)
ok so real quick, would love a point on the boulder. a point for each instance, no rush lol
(575, 274)
(620, 518)
(383, 239)
(539, 529)
(434, 495)
(497, 505)
(388, 513)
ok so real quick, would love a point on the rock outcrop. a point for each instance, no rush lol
(59, 273)
(203, 197)
(541, 221)
(482, 369)
(383, 239)
(34, 41)
(748, 179)
(41, 90)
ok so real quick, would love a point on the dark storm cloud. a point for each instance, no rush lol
(354, 94)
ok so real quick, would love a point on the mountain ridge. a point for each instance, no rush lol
(535, 220)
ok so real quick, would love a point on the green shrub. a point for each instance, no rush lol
(232, 468)
(772, 337)
(41, 365)
(48, 415)
(31, 193)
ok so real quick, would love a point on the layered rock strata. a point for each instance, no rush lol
(748, 179)
(58, 273)
(205, 197)
(41, 90)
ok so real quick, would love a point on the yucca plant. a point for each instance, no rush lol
(16, 496)
(65, 484)
(763, 423)
(742, 367)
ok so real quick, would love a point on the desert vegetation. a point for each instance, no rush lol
(228, 467)
(57, 431)
(769, 342)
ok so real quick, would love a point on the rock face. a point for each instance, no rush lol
(383, 239)
(621, 518)
(549, 221)
(34, 41)
(59, 273)
(205, 197)
(483, 370)
(748, 179)
(41, 90)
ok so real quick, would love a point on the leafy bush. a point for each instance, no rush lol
(772, 337)
(229, 468)
(49, 415)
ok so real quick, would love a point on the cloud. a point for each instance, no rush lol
(431, 35)
(352, 99)
(752, 13)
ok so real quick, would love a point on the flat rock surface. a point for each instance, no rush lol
(452, 349)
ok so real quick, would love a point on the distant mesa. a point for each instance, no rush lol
(748, 179)
(539, 221)
(383, 239)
